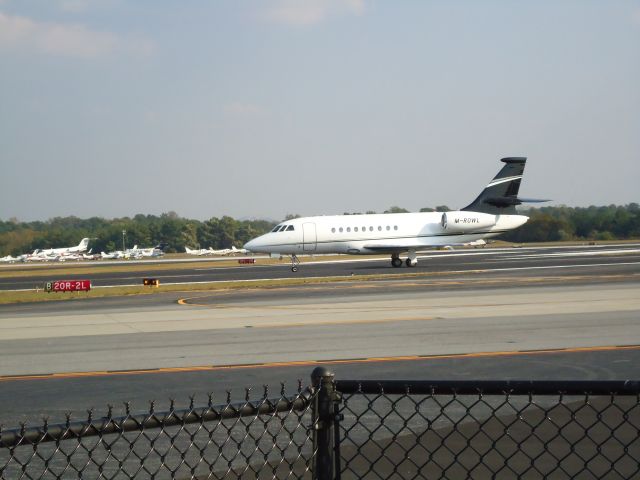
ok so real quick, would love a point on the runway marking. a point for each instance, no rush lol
(403, 282)
(343, 322)
(302, 363)
(361, 277)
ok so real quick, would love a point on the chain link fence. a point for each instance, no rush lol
(265, 438)
(488, 430)
(353, 429)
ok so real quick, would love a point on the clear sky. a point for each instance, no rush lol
(256, 109)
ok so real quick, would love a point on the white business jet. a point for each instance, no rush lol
(491, 214)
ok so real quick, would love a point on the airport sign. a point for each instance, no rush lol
(68, 286)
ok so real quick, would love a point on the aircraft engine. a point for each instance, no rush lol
(463, 222)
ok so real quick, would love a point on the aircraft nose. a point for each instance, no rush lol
(249, 245)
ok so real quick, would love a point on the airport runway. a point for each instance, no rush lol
(497, 306)
(31, 400)
(532, 261)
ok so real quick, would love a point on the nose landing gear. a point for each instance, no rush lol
(294, 263)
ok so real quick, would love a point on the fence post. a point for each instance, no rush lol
(323, 423)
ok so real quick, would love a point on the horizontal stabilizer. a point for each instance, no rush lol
(502, 202)
(534, 200)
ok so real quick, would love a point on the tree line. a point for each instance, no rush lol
(545, 224)
(115, 234)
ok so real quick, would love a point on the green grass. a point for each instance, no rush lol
(42, 296)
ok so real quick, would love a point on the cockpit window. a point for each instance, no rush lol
(276, 228)
(290, 228)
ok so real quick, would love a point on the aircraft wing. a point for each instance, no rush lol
(393, 248)
(400, 248)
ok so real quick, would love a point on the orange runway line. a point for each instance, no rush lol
(302, 363)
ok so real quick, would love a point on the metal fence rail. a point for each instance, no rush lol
(353, 429)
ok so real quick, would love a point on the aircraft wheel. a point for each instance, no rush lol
(410, 263)
(294, 269)
(396, 262)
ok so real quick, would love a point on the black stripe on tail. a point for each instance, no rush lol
(501, 195)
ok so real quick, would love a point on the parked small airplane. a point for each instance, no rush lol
(81, 247)
(475, 244)
(493, 212)
(39, 257)
(211, 251)
(9, 259)
(112, 255)
(228, 251)
(199, 252)
(152, 252)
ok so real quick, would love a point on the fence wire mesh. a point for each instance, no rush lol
(503, 436)
(353, 429)
(267, 438)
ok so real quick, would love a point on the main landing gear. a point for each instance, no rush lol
(294, 263)
(411, 261)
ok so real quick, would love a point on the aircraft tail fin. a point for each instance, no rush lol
(500, 196)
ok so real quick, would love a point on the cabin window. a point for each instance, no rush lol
(364, 229)
(388, 228)
(355, 229)
(340, 229)
(333, 230)
(348, 229)
(379, 228)
(371, 229)
(395, 227)
(290, 228)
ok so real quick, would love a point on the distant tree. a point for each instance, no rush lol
(427, 209)
(188, 237)
(442, 208)
(396, 210)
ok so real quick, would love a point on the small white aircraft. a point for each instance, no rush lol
(210, 251)
(152, 252)
(199, 252)
(112, 255)
(81, 247)
(9, 259)
(67, 257)
(493, 212)
(39, 257)
(228, 251)
(475, 244)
